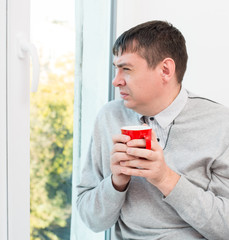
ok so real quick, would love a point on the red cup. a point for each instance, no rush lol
(139, 132)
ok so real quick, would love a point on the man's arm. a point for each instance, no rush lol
(205, 211)
(100, 199)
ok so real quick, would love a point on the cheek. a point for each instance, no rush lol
(142, 85)
(146, 86)
(147, 91)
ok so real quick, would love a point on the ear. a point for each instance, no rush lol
(168, 69)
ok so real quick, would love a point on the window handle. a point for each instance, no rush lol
(27, 48)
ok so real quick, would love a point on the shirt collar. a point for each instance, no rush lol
(166, 117)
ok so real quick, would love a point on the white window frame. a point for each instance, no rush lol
(3, 146)
(94, 73)
(14, 123)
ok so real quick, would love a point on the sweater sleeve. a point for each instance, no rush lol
(99, 206)
(207, 211)
(98, 202)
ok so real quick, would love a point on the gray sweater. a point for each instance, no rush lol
(198, 206)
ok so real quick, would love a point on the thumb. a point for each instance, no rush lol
(154, 136)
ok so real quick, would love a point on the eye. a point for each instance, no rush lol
(126, 69)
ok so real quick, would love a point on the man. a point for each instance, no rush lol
(180, 188)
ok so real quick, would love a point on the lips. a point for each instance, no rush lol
(124, 95)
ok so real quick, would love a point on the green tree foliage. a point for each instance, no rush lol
(51, 124)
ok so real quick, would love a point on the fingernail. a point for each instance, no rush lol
(127, 138)
(129, 150)
(130, 143)
(122, 163)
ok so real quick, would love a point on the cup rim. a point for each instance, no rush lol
(136, 128)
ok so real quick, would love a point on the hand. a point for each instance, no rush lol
(149, 164)
(118, 154)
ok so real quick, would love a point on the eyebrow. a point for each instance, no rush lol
(120, 65)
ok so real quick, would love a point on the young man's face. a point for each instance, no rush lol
(140, 86)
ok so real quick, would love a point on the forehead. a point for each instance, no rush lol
(128, 58)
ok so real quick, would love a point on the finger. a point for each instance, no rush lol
(119, 156)
(142, 153)
(120, 138)
(135, 172)
(154, 136)
(137, 143)
(137, 163)
(119, 147)
(141, 143)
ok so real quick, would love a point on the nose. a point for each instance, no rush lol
(118, 80)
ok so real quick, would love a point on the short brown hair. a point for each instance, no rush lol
(154, 41)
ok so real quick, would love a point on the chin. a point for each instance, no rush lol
(134, 107)
(129, 105)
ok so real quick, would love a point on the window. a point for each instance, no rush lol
(15, 105)
(51, 120)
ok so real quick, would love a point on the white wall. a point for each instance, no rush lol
(205, 26)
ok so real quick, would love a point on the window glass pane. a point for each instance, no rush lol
(51, 119)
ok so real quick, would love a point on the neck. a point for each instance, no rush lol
(162, 103)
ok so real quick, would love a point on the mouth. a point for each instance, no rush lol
(124, 95)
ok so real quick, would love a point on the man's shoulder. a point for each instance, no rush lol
(115, 111)
(205, 112)
(205, 104)
(115, 107)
